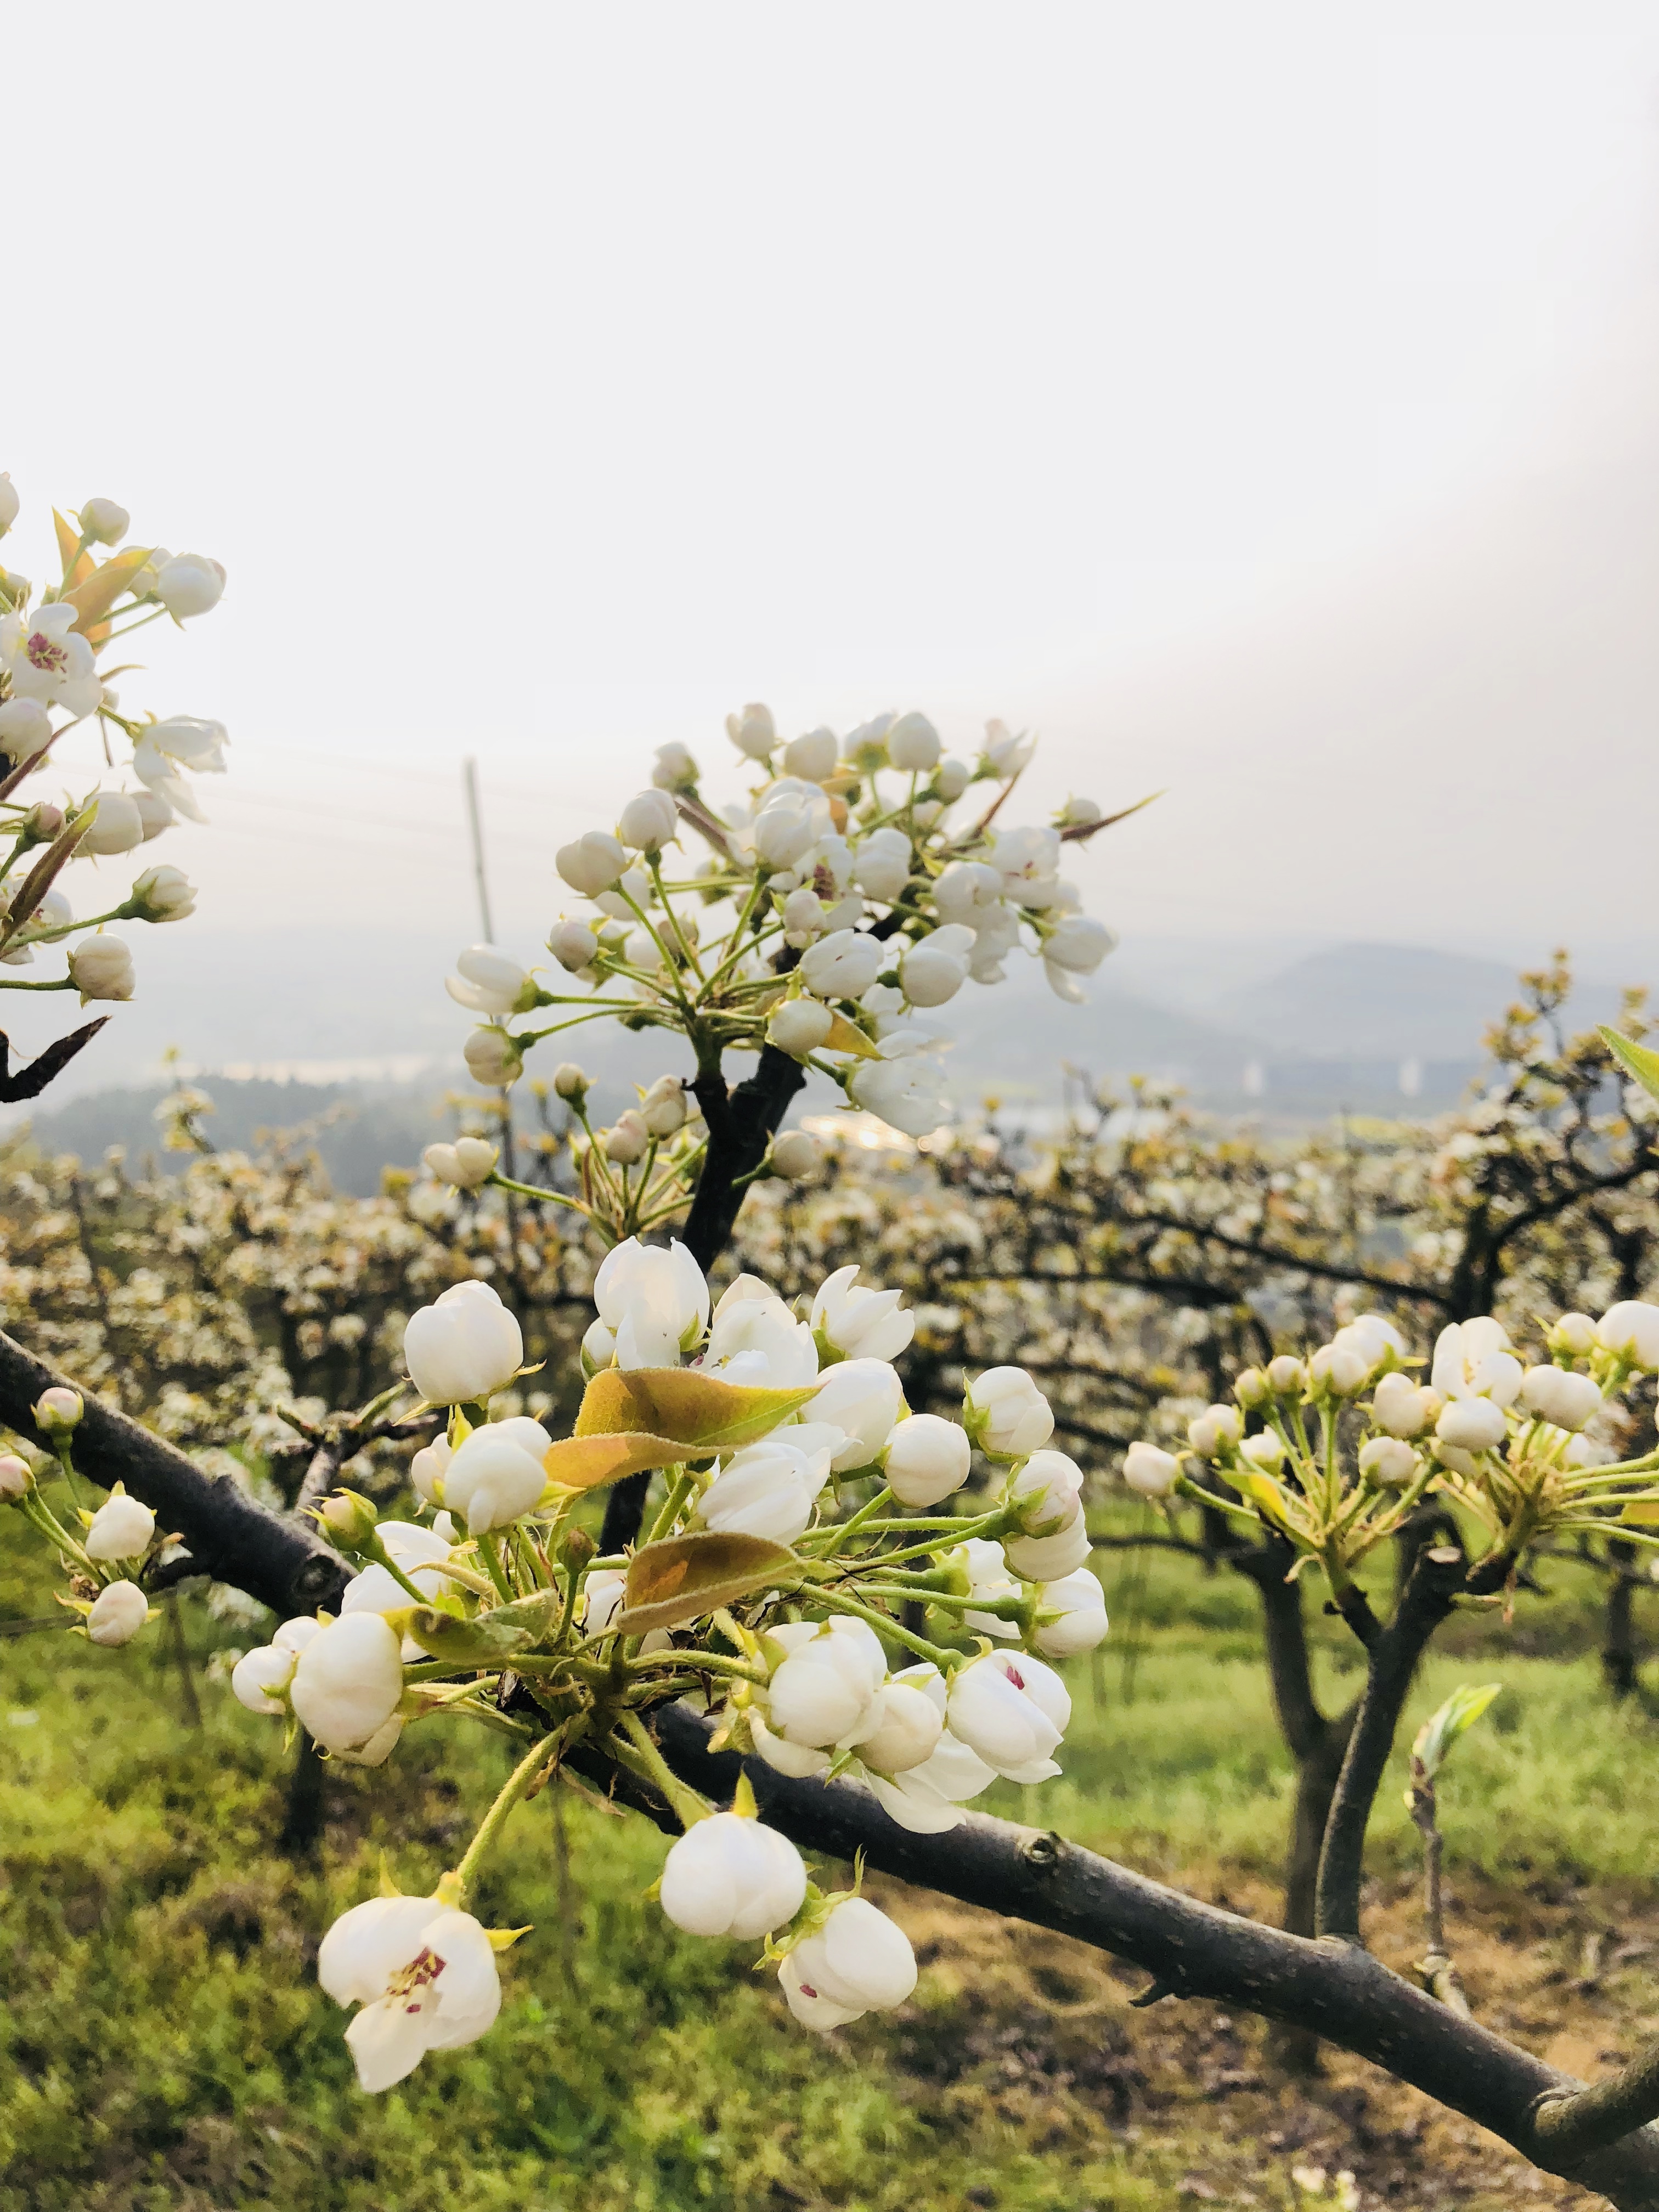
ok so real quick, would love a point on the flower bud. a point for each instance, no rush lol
(795, 1155)
(1216, 1429)
(154, 812)
(935, 970)
(163, 893)
(592, 864)
(626, 1140)
(753, 732)
(825, 1692)
(1473, 1425)
(910, 1723)
(189, 584)
(927, 1461)
(1151, 1471)
(1251, 1387)
(348, 1680)
(468, 1162)
(1403, 1407)
(43, 822)
(1388, 1462)
(674, 769)
(498, 1473)
(664, 1107)
(1574, 1335)
(912, 744)
(117, 827)
(1556, 1395)
(570, 1082)
(493, 1058)
(59, 1410)
(1071, 1616)
(1265, 1451)
(952, 779)
(463, 1346)
(428, 1468)
(104, 523)
(121, 1530)
(732, 1876)
(858, 1961)
(881, 866)
(573, 944)
(25, 727)
(16, 1478)
(1285, 1376)
(811, 758)
(1631, 1330)
(1337, 1370)
(349, 1520)
(863, 1398)
(117, 1614)
(799, 1026)
(1005, 1415)
(648, 821)
(259, 1678)
(102, 967)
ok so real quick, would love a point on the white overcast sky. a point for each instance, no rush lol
(1259, 400)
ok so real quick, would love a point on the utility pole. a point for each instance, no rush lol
(470, 779)
(470, 784)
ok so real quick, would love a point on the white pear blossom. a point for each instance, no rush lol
(904, 1088)
(796, 1154)
(1565, 1400)
(770, 1488)
(1475, 1359)
(190, 584)
(592, 864)
(424, 1975)
(859, 1322)
(1215, 1429)
(967, 891)
(729, 1875)
(497, 1473)
(467, 1163)
(260, 1677)
(1078, 1611)
(1076, 946)
(1012, 1710)
(1151, 1471)
(858, 1961)
(654, 1303)
(989, 1582)
(812, 757)
(573, 945)
(754, 1339)
(927, 1800)
(48, 660)
(934, 970)
(104, 522)
(864, 1399)
(827, 1688)
(912, 744)
(627, 1139)
(346, 1686)
(427, 1468)
(1630, 1329)
(925, 1462)
(1008, 1417)
(492, 1058)
(1389, 1461)
(753, 732)
(25, 727)
(100, 967)
(1028, 861)
(910, 1722)
(649, 822)
(489, 982)
(843, 964)
(163, 893)
(789, 824)
(463, 1347)
(1048, 1488)
(9, 503)
(1472, 1425)
(166, 749)
(1005, 755)
(1403, 1407)
(118, 1612)
(799, 1026)
(116, 827)
(881, 865)
(673, 769)
(665, 1108)
(121, 1530)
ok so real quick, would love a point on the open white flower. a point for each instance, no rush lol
(927, 1800)
(489, 982)
(864, 1399)
(424, 1975)
(1012, 1710)
(755, 1338)
(858, 1961)
(1475, 1359)
(47, 659)
(166, 749)
(467, 1163)
(859, 1322)
(770, 1488)
(905, 1087)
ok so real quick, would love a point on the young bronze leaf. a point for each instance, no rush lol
(701, 1413)
(588, 1462)
(845, 1037)
(94, 598)
(684, 1576)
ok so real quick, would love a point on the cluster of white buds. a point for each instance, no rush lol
(51, 682)
(840, 903)
(797, 1570)
(1350, 1442)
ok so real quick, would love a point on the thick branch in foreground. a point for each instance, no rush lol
(228, 1534)
(1195, 1950)
(742, 1123)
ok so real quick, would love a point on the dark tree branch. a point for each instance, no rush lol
(29, 1082)
(1194, 1950)
(228, 1534)
(1393, 1659)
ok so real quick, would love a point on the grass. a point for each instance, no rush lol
(164, 2046)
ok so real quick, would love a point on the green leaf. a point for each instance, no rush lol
(1636, 1059)
(481, 1642)
(698, 1413)
(683, 1578)
(1442, 1729)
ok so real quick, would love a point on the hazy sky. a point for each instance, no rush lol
(1258, 400)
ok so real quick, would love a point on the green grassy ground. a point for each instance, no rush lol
(164, 2047)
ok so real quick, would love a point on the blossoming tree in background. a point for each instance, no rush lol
(824, 1621)
(50, 683)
